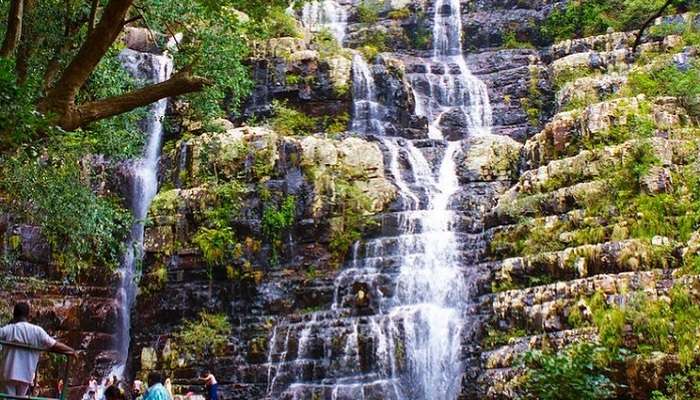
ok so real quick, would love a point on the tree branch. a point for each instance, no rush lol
(14, 28)
(62, 96)
(181, 83)
(648, 22)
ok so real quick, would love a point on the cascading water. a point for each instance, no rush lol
(368, 113)
(450, 85)
(148, 68)
(325, 14)
(401, 305)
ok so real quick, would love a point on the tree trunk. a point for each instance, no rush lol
(649, 21)
(14, 28)
(61, 98)
(181, 83)
(24, 52)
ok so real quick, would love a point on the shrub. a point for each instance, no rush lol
(84, 230)
(374, 42)
(576, 373)
(207, 337)
(511, 41)
(580, 18)
(401, 13)
(368, 11)
(670, 81)
(275, 220)
(280, 24)
(290, 122)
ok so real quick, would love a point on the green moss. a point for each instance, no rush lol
(495, 337)
(401, 13)
(511, 41)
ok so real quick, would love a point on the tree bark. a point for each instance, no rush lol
(645, 25)
(61, 98)
(24, 52)
(14, 28)
(181, 83)
(92, 19)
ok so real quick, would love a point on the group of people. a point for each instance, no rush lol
(158, 389)
(18, 365)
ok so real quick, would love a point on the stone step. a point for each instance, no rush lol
(546, 308)
(586, 261)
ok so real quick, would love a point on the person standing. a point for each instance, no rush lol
(156, 390)
(211, 385)
(18, 365)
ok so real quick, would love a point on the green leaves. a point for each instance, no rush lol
(576, 373)
(84, 230)
(207, 337)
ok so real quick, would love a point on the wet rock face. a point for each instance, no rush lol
(489, 23)
(289, 69)
(301, 279)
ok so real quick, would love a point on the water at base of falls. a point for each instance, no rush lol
(400, 310)
(147, 68)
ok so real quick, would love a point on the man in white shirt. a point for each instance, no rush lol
(18, 365)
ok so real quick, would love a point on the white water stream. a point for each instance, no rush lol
(147, 68)
(414, 276)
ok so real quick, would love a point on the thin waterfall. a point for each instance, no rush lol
(325, 14)
(148, 68)
(368, 113)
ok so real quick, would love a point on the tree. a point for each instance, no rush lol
(86, 31)
(681, 4)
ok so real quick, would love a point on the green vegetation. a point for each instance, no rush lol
(290, 122)
(511, 41)
(368, 11)
(58, 85)
(276, 219)
(670, 81)
(576, 373)
(420, 33)
(84, 230)
(399, 14)
(580, 18)
(207, 337)
(533, 103)
(373, 43)
(351, 207)
(638, 328)
(495, 337)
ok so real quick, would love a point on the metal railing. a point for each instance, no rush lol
(66, 369)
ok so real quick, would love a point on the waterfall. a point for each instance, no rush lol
(326, 14)
(143, 181)
(451, 86)
(368, 113)
(404, 342)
